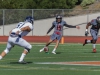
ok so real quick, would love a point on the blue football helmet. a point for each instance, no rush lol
(29, 19)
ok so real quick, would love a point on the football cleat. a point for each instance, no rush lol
(41, 50)
(22, 62)
(53, 52)
(94, 50)
(85, 42)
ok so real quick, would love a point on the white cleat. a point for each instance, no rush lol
(41, 50)
(53, 52)
(22, 62)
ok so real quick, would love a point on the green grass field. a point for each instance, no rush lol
(41, 63)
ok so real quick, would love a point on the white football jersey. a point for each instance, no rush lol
(21, 25)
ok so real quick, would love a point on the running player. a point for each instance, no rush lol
(15, 38)
(95, 26)
(58, 31)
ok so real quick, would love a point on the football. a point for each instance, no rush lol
(46, 49)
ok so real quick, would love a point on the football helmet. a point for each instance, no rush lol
(29, 19)
(98, 19)
(58, 18)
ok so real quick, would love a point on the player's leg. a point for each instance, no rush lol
(87, 41)
(58, 37)
(27, 46)
(94, 39)
(94, 35)
(24, 53)
(94, 46)
(50, 41)
(54, 50)
(52, 38)
(90, 41)
(8, 48)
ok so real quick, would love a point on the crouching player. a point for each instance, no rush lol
(58, 31)
(15, 38)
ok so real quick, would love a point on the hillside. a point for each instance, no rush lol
(79, 10)
(94, 6)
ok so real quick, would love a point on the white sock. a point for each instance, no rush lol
(54, 50)
(88, 41)
(0, 57)
(22, 57)
(42, 48)
(93, 46)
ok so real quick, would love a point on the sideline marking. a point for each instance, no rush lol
(85, 63)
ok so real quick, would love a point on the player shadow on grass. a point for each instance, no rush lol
(29, 62)
(58, 52)
(91, 52)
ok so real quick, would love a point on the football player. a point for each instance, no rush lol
(58, 31)
(95, 26)
(15, 38)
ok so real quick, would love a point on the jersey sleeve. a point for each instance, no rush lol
(93, 22)
(70, 26)
(53, 25)
(65, 23)
(30, 25)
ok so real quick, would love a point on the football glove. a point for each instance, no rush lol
(86, 33)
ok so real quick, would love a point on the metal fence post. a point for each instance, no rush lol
(33, 17)
(87, 16)
(3, 20)
(62, 39)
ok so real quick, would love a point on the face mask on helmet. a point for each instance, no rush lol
(58, 18)
(98, 19)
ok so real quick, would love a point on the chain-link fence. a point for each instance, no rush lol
(43, 18)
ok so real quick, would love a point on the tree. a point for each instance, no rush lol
(38, 4)
(55, 4)
(87, 2)
(71, 3)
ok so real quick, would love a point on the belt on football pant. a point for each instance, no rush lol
(15, 35)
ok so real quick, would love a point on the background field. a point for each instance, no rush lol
(65, 53)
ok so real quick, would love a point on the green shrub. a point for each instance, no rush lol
(87, 2)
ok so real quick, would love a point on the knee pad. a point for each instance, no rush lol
(6, 51)
(28, 48)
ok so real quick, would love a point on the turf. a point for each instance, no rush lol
(65, 53)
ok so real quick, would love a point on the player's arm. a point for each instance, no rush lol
(10, 32)
(87, 26)
(27, 28)
(70, 26)
(50, 29)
